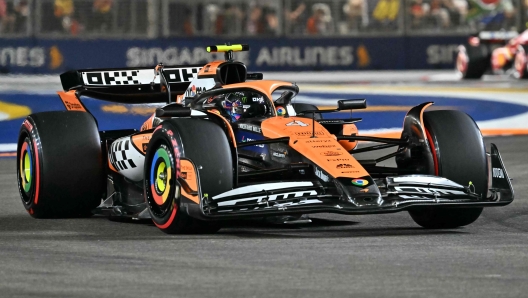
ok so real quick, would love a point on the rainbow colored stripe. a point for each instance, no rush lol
(26, 167)
(160, 187)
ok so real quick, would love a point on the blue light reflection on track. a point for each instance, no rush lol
(478, 109)
(41, 103)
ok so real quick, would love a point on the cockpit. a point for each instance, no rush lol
(243, 102)
(240, 105)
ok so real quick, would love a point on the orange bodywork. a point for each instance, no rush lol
(110, 166)
(148, 124)
(188, 173)
(423, 132)
(140, 141)
(71, 101)
(323, 150)
(179, 98)
(349, 130)
(209, 69)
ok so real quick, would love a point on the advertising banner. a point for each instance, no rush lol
(432, 52)
(44, 56)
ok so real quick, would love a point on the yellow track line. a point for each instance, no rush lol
(14, 111)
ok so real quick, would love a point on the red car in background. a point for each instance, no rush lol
(502, 52)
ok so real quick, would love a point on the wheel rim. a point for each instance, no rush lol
(160, 180)
(26, 171)
(161, 177)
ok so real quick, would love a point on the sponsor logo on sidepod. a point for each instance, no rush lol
(296, 123)
(319, 173)
(309, 133)
(249, 127)
(344, 166)
(331, 153)
(279, 154)
(244, 139)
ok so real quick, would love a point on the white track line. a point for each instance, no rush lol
(8, 147)
(3, 116)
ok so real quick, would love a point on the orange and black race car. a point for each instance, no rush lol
(225, 144)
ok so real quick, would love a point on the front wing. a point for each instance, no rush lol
(396, 194)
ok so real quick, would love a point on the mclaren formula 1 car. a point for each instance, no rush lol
(225, 144)
(503, 52)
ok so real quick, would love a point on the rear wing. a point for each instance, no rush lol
(497, 35)
(130, 85)
(159, 84)
(492, 37)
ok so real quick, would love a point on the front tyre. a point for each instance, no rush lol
(191, 139)
(459, 154)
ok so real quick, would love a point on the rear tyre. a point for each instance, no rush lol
(459, 155)
(206, 145)
(472, 62)
(59, 165)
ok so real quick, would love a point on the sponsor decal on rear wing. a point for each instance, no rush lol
(497, 35)
(138, 76)
(127, 77)
(130, 85)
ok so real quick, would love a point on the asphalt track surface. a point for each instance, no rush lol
(335, 256)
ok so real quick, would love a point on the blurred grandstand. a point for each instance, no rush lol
(175, 18)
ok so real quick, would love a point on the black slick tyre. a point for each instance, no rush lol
(206, 146)
(472, 61)
(459, 154)
(60, 165)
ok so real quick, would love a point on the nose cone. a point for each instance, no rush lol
(360, 191)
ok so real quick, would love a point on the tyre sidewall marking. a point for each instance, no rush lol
(30, 132)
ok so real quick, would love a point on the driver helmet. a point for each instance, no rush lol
(236, 104)
(234, 109)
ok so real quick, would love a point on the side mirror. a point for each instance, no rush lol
(351, 104)
(174, 110)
